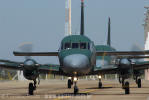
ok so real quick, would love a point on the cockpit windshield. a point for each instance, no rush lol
(75, 45)
(82, 45)
(67, 45)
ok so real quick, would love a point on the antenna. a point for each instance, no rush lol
(109, 33)
(82, 18)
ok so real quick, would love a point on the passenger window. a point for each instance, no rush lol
(75, 45)
(82, 45)
(67, 45)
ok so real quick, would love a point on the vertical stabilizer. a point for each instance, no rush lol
(68, 18)
(82, 18)
(109, 33)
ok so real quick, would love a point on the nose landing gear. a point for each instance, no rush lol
(100, 83)
(76, 89)
(70, 83)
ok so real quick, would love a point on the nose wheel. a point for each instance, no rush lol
(76, 89)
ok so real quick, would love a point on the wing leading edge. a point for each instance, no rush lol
(117, 53)
(35, 53)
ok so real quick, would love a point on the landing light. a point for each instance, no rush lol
(75, 79)
(37, 65)
(69, 77)
(99, 76)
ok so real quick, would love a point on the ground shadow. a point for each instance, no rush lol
(100, 88)
(72, 94)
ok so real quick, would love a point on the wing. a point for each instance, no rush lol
(7, 64)
(117, 53)
(50, 69)
(141, 65)
(108, 69)
(35, 53)
(132, 57)
(43, 68)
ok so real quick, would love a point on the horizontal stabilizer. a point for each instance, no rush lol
(117, 53)
(35, 53)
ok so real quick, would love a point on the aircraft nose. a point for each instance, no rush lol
(76, 61)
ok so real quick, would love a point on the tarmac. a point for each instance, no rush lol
(55, 89)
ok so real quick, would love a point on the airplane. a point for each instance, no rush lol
(79, 56)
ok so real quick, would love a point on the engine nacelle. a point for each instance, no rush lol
(30, 69)
(30, 74)
(124, 63)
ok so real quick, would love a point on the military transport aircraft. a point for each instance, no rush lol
(78, 56)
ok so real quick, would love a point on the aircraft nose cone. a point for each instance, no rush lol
(76, 61)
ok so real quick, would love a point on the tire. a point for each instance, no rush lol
(31, 89)
(69, 83)
(139, 83)
(127, 90)
(100, 85)
(76, 90)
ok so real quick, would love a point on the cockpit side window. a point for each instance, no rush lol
(88, 45)
(62, 46)
(75, 45)
(67, 45)
(83, 46)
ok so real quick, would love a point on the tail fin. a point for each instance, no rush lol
(109, 33)
(82, 18)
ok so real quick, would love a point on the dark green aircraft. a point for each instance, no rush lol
(78, 56)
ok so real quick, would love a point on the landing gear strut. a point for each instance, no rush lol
(32, 87)
(76, 89)
(138, 82)
(100, 83)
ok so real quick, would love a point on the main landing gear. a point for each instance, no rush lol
(125, 86)
(32, 87)
(138, 82)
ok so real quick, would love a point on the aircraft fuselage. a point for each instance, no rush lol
(77, 55)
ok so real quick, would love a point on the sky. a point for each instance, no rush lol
(42, 22)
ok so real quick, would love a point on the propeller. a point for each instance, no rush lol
(26, 47)
(136, 47)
